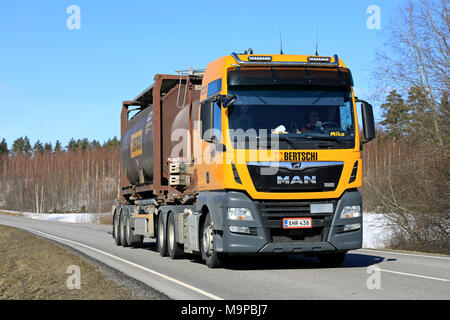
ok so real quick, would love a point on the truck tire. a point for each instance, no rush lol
(122, 235)
(175, 249)
(161, 239)
(133, 240)
(212, 258)
(116, 225)
(332, 259)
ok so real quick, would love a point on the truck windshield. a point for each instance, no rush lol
(296, 114)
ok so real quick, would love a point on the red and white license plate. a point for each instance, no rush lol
(294, 223)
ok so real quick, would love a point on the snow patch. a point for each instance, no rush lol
(376, 230)
(63, 217)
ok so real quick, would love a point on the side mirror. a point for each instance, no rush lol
(228, 101)
(220, 147)
(368, 121)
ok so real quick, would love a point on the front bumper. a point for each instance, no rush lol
(268, 237)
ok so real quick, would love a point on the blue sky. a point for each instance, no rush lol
(57, 83)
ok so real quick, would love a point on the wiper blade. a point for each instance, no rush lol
(268, 141)
(286, 139)
(280, 138)
(327, 138)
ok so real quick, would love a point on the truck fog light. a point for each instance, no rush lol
(351, 212)
(352, 227)
(239, 214)
(240, 229)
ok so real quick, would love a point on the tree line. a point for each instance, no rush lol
(22, 145)
(82, 177)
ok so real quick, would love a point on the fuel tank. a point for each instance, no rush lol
(137, 148)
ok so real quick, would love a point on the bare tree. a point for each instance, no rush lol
(415, 54)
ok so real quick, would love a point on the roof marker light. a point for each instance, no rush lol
(319, 59)
(259, 58)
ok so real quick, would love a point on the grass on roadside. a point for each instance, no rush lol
(32, 268)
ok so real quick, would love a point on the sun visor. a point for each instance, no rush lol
(290, 76)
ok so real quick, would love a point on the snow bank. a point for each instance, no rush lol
(376, 230)
(63, 217)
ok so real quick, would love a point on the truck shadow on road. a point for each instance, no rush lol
(352, 260)
(294, 261)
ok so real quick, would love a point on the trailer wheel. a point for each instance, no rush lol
(332, 259)
(161, 239)
(116, 225)
(133, 240)
(122, 234)
(212, 258)
(175, 249)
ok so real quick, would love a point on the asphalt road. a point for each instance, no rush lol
(365, 274)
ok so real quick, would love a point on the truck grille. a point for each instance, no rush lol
(287, 209)
(273, 212)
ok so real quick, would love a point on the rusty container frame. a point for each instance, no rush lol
(154, 95)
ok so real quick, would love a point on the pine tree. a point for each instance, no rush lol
(18, 145)
(3, 147)
(395, 114)
(421, 126)
(94, 144)
(73, 145)
(58, 146)
(48, 147)
(83, 143)
(111, 143)
(38, 147)
(26, 145)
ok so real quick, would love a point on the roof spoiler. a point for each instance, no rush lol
(331, 64)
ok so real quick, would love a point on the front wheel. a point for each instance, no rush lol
(212, 258)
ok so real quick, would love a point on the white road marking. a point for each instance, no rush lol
(406, 254)
(203, 292)
(413, 275)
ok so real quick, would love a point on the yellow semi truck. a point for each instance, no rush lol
(256, 154)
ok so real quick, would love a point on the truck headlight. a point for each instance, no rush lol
(351, 212)
(239, 214)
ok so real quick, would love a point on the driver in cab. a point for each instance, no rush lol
(313, 123)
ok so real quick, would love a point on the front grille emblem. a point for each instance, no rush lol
(296, 165)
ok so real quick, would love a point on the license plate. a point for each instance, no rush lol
(294, 223)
